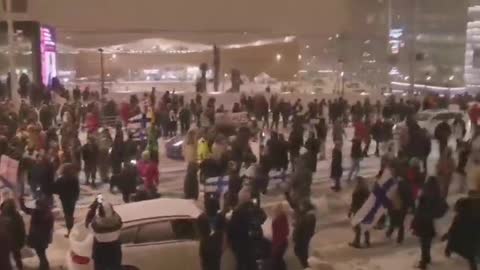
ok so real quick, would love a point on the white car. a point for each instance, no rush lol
(156, 234)
(430, 119)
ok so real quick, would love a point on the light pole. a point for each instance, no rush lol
(342, 78)
(412, 39)
(102, 72)
(450, 79)
(11, 55)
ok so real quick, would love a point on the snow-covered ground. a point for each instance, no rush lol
(330, 244)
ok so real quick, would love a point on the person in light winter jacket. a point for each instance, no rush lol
(106, 225)
(459, 130)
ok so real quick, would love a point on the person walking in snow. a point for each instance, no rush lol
(106, 225)
(336, 168)
(429, 208)
(67, 187)
(359, 197)
(304, 229)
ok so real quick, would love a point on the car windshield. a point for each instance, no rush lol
(423, 116)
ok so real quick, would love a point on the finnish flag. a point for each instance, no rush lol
(218, 184)
(138, 125)
(377, 204)
(277, 179)
(247, 174)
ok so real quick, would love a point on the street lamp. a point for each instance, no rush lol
(450, 79)
(278, 57)
(102, 72)
(342, 77)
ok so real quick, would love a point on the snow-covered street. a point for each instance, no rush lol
(329, 247)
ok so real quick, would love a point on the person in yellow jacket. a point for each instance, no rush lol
(203, 150)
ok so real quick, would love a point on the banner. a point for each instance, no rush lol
(9, 171)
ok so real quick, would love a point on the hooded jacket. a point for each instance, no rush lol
(104, 222)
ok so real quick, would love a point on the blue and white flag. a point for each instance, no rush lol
(277, 179)
(377, 204)
(218, 184)
(247, 174)
(138, 126)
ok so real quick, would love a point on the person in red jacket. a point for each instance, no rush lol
(148, 170)
(92, 123)
(474, 114)
(280, 231)
(125, 112)
(415, 176)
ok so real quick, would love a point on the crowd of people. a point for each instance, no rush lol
(46, 137)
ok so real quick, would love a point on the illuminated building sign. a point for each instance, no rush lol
(48, 52)
(396, 41)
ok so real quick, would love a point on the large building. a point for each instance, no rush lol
(432, 40)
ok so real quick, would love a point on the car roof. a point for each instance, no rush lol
(439, 111)
(163, 207)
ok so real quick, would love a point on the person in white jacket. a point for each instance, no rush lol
(106, 225)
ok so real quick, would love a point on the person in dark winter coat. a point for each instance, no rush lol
(43, 174)
(41, 229)
(300, 182)
(423, 222)
(295, 142)
(336, 168)
(67, 187)
(191, 189)
(463, 236)
(245, 232)
(304, 229)
(6, 248)
(16, 230)
(377, 135)
(280, 232)
(359, 197)
(402, 202)
(442, 133)
(130, 151)
(126, 181)
(322, 130)
(356, 155)
(90, 158)
(273, 149)
(212, 228)
(116, 154)
(313, 146)
(106, 225)
(185, 116)
(283, 152)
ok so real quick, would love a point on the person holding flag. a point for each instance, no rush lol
(359, 197)
(377, 204)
